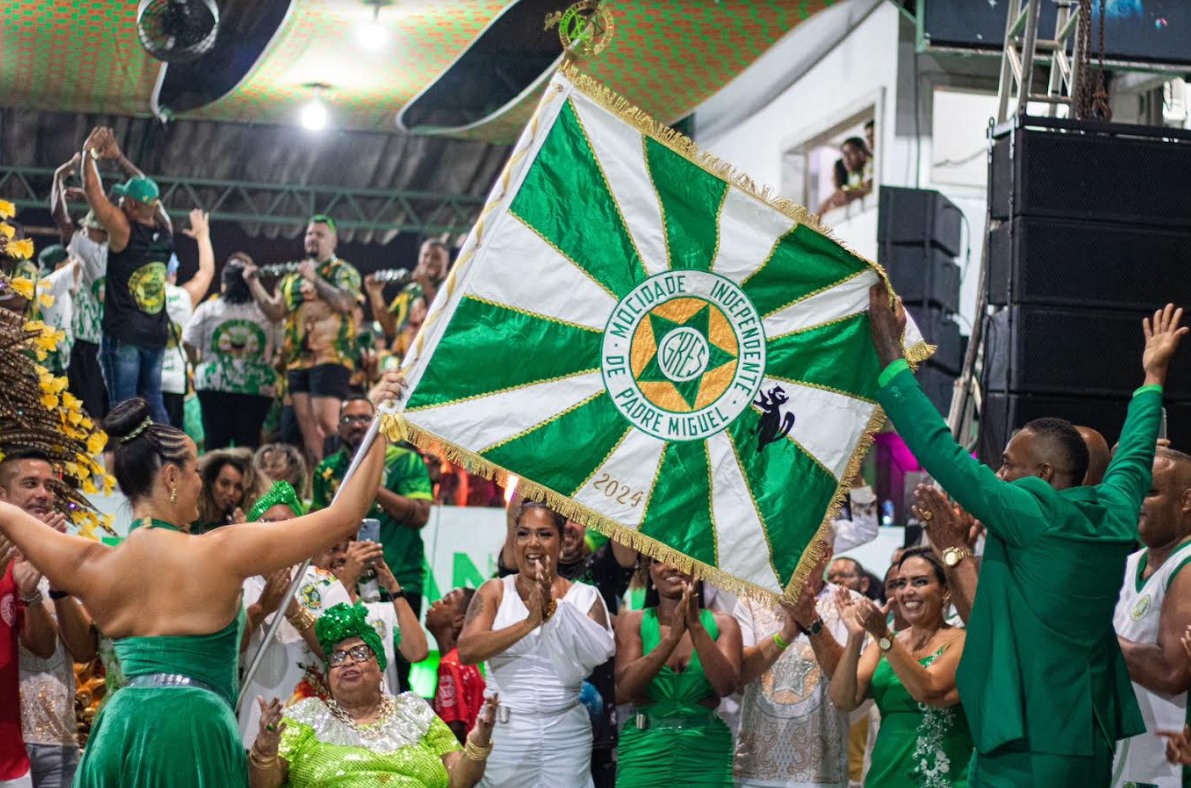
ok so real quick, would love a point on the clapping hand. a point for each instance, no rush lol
(874, 617)
(1162, 340)
(689, 606)
(276, 584)
(271, 727)
(849, 613)
(947, 525)
(26, 577)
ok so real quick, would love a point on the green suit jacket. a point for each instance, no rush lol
(1041, 665)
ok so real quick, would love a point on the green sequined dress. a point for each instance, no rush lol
(917, 746)
(682, 740)
(182, 737)
(403, 750)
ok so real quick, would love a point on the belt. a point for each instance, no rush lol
(171, 680)
(674, 721)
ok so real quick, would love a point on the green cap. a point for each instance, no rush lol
(143, 190)
(51, 256)
(117, 191)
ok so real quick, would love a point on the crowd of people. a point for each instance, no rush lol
(1041, 636)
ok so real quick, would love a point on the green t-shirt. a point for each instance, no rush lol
(405, 474)
(315, 334)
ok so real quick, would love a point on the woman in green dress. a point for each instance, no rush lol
(923, 741)
(171, 603)
(674, 661)
(362, 736)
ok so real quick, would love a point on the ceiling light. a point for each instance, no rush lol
(372, 35)
(314, 115)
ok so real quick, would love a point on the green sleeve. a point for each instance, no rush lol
(439, 739)
(320, 492)
(295, 738)
(1128, 475)
(408, 476)
(1005, 509)
(346, 278)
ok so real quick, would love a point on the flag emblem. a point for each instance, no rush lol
(683, 355)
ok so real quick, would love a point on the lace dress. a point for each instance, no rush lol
(918, 746)
(403, 749)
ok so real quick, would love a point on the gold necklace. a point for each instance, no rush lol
(374, 729)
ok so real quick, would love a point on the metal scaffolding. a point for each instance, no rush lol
(382, 211)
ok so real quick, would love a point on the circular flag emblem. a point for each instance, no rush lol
(683, 355)
(1141, 607)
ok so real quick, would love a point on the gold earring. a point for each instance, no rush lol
(174, 494)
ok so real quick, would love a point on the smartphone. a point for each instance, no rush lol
(369, 530)
(1162, 426)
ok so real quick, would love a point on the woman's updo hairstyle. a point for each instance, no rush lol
(141, 447)
(528, 505)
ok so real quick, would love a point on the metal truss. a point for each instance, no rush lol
(383, 211)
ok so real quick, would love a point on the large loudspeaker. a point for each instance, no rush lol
(1091, 232)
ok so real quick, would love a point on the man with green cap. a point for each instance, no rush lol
(59, 280)
(135, 323)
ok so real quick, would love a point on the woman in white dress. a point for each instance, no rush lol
(541, 635)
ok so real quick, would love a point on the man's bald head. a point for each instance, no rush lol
(1166, 510)
(1098, 455)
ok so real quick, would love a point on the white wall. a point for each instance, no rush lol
(874, 65)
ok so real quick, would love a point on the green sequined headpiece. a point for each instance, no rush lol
(344, 621)
(279, 493)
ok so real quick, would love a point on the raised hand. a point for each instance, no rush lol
(805, 609)
(872, 616)
(1162, 340)
(849, 613)
(373, 285)
(360, 557)
(276, 584)
(271, 727)
(26, 577)
(56, 520)
(390, 388)
(887, 321)
(385, 577)
(946, 525)
(200, 226)
(307, 270)
(481, 734)
(690, 606)
(535, 604)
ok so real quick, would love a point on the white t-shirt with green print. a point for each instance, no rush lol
(236, 343)
(87, 319)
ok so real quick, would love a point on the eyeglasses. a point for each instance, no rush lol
(358, 654)
(361, 419)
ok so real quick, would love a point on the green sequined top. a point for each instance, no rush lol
(405, 749)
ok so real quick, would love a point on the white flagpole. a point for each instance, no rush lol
(279, 616)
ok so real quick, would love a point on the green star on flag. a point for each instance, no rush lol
(653, 346)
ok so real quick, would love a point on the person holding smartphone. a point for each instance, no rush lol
(401, 504)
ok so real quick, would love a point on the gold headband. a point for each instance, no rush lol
(148, 422)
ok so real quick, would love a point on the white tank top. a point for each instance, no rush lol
(1138, 616)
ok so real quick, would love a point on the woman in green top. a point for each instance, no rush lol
(171, 603)
(923, 741)
(674, 661)
(362, 736)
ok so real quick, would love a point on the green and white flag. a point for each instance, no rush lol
(654, 347)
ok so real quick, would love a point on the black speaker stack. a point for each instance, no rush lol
(918, 235)
(1090, 232)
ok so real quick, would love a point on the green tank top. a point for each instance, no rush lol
(672, 693)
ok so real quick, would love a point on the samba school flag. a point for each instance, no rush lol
(653, 346)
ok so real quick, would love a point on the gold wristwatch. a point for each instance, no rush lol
(953, 555)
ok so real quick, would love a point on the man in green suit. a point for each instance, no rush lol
(1042, 681)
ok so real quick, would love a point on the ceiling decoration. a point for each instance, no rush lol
(666, 56)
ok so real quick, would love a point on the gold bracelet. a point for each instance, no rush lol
(474, 752)
(550, 610)
(302, 620)
(260, 761)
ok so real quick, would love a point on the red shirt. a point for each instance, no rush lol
(460, 691)
(14, 762)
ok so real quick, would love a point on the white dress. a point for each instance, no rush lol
(542, 737)
(1141, 760)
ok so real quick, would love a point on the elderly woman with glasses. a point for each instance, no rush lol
(363, 736)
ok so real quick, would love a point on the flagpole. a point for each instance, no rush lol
(296, 582)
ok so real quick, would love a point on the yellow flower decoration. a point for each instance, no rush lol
(45, 299)
(96, 442)
(7, 230)
(22, 286)
(49, 401)
(22, 248)
(7, 209)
